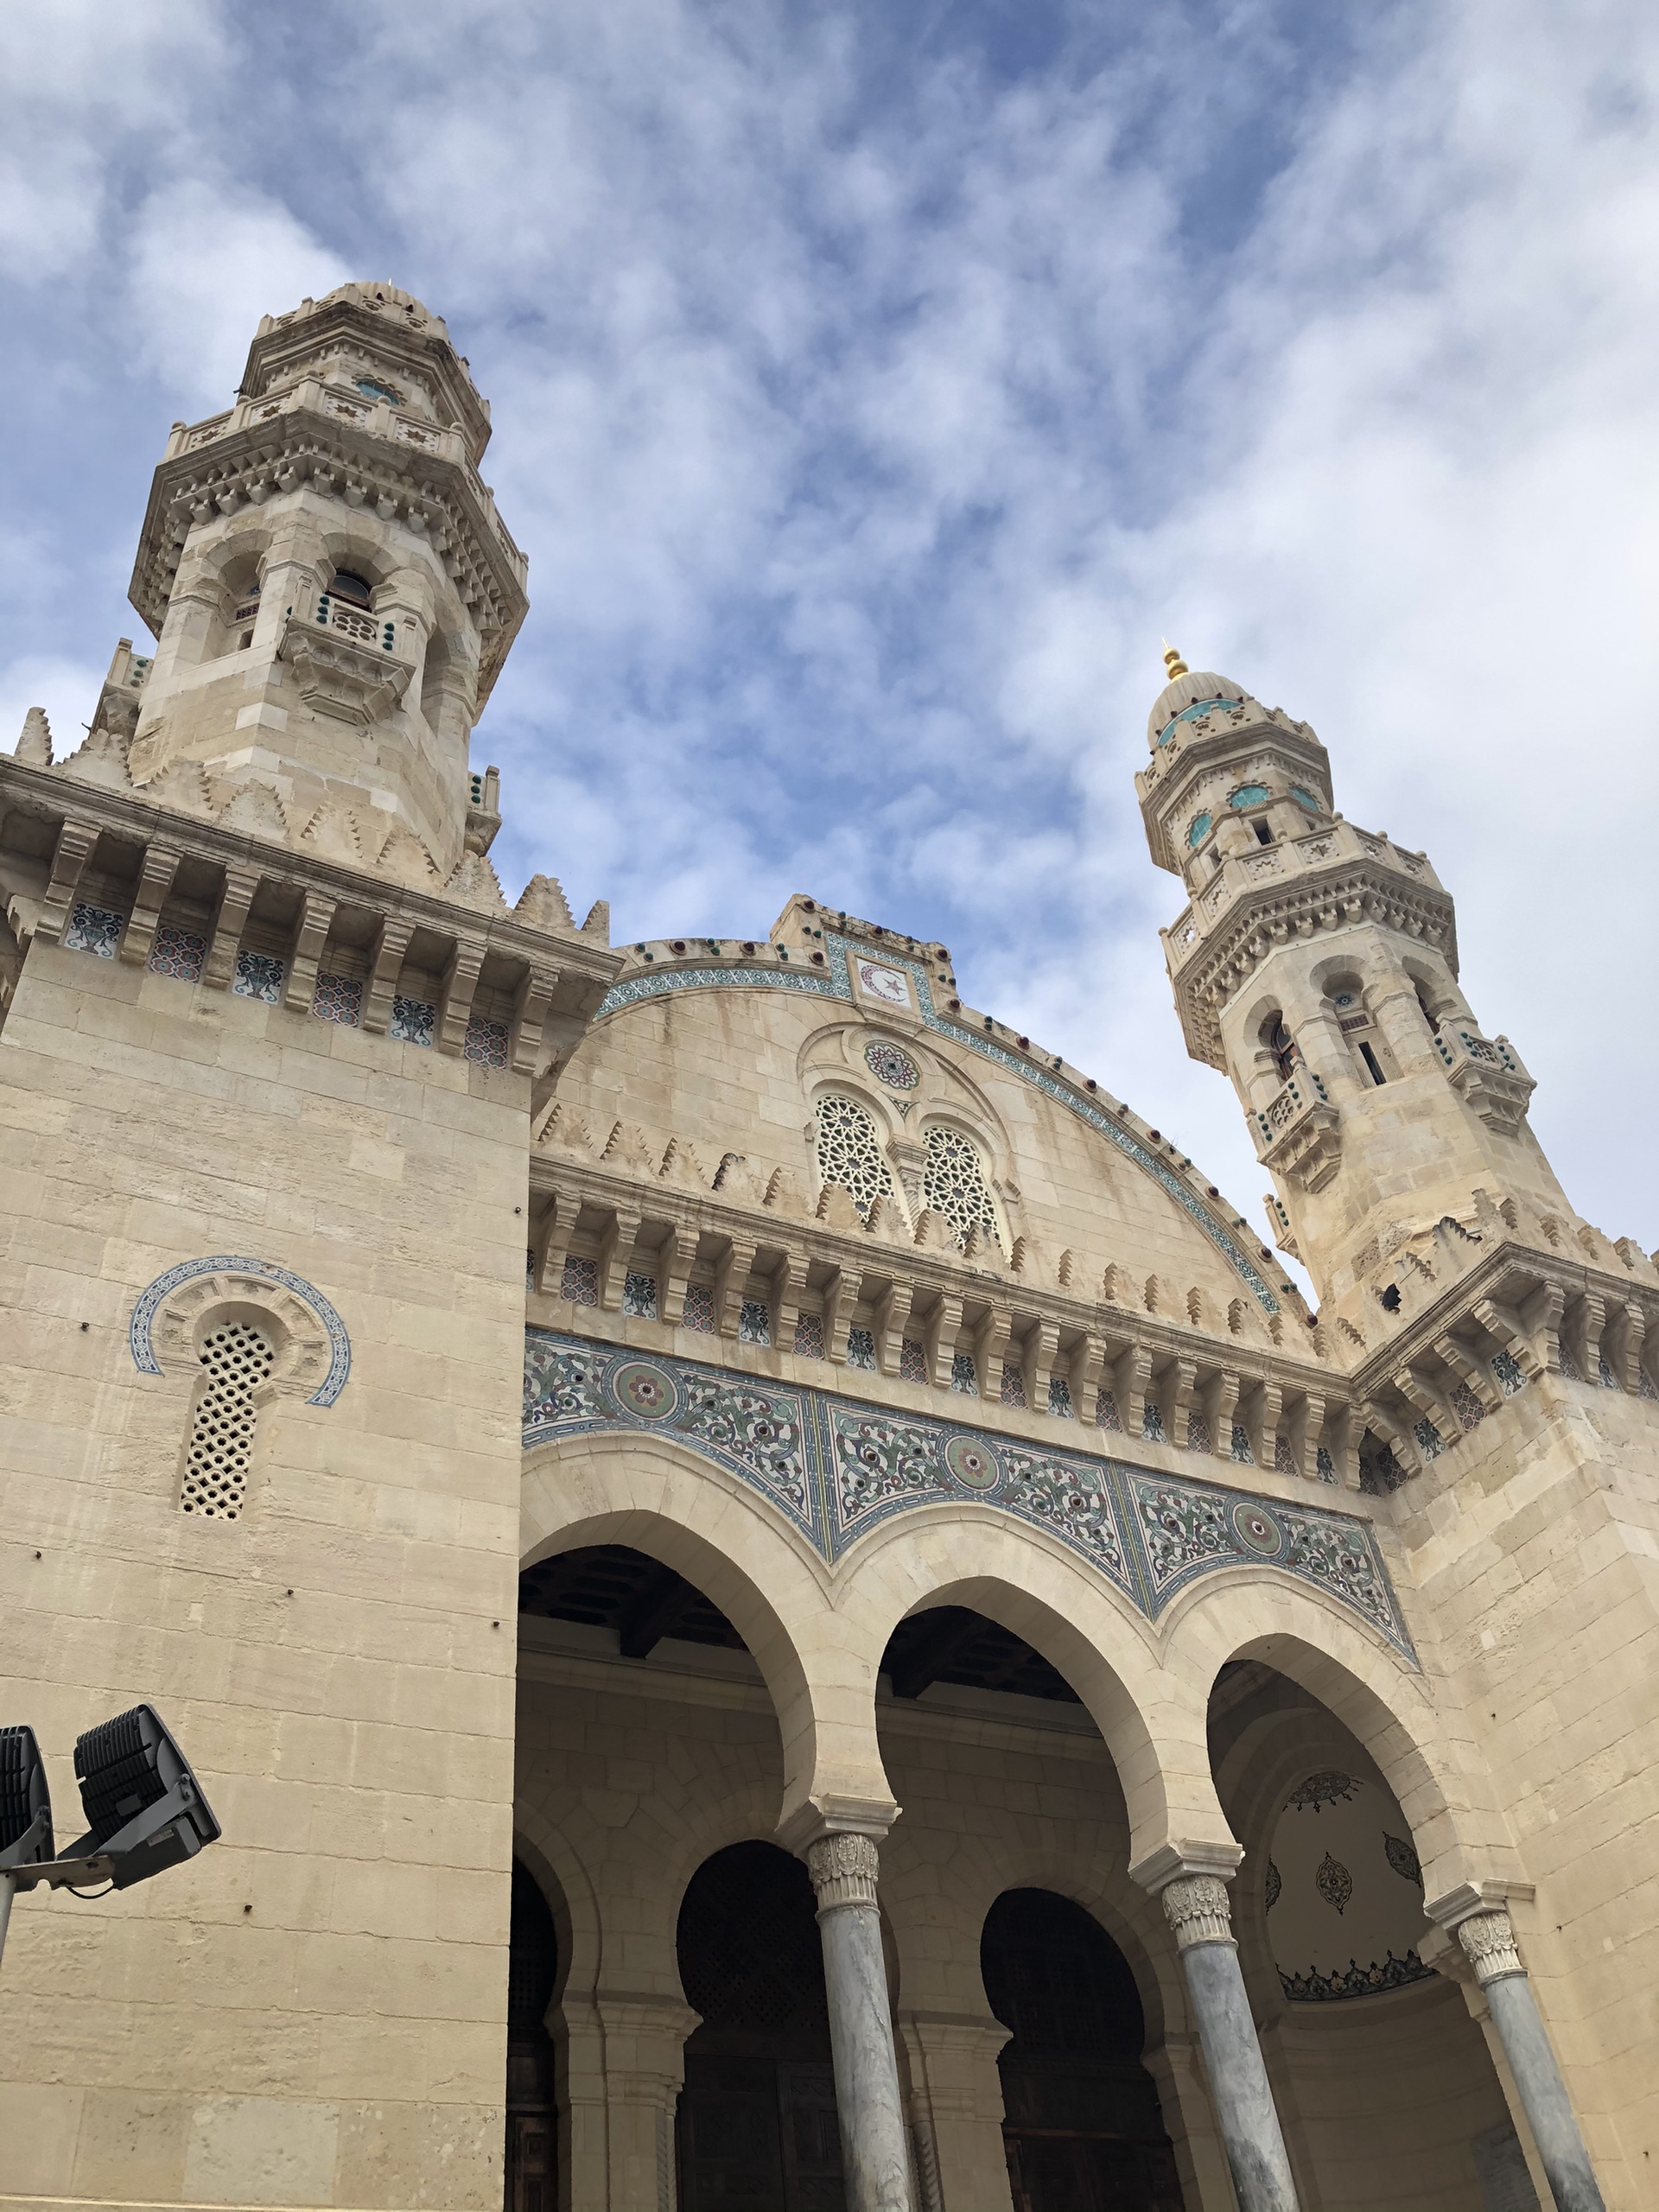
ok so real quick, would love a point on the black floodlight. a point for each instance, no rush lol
(145, 1806)
(25, 1801)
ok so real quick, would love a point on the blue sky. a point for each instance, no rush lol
(875, 387)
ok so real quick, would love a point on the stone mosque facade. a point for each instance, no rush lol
(782, 1607)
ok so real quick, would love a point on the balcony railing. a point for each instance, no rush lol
(1298, 1132)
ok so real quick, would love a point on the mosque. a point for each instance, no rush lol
(782, 1607)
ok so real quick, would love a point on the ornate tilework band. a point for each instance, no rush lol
(1488, 1939)
(1196, 1907)
(837, 1468)
(843, 1870)
(150, 1300)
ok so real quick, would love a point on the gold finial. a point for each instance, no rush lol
(1173, 662)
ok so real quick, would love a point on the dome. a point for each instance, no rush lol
(1197, 688)
(386, 299)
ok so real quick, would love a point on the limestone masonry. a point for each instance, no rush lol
(575, 1439)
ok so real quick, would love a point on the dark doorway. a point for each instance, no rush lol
(757, 2128)
(1081, 2127)
(532, 2167)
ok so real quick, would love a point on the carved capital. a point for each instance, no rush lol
(1488, 1938)
(1196, 1907)
(843, 1869)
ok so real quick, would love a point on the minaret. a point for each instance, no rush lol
(332, 587)
(1317, 964)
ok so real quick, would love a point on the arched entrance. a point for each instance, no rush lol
(1083, 2130)
(532, 2118)
(757, 2129)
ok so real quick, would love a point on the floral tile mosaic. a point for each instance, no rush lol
(1013, 1391)
(1467, 1406)
(579, 1282)
(1509, 1373)
(834, 982)
(260, 975)
(1430, 1442)
(1152, 1423)
(338, 998)
(860, 1349)
(413, 1022)
(835, 1468)
(640, 1296)
(754, 1322)
(1059, 1397)
(1106, 1412)
(486, 1042)
(964, 1375)
(1198, 1438)
(1240, 1447)
(913, 1360)
(699, 1313)
(1325, 1466)
(809, 1336)
(1284, 1459)
(94, 928)
(179, 953)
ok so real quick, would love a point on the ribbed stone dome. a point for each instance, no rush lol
(400, 305)
(1191, 689)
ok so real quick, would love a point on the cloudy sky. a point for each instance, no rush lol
(875, 386)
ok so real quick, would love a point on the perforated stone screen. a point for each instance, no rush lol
(954, 1186)
(849, 1152)
(237, 1358)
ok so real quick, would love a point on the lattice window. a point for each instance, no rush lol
(237, 1358)
(1198, 1433)
(913, 1360)
(809, 1336)
(338, 998)
(700, 1308)
(1012, 1392)
(1284, 1460)
(486, 1042)
(580, 1281)
(953, 1182)
(178, 953)
(964, 1375)
(754, 1322)
(1106, 1412)
(849, 1151)
(1468, 1407)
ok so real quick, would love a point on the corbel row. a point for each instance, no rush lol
(1096, 1367)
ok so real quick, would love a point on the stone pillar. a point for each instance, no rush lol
(873, 2158)
(1196, 1907)
(1488, 1939)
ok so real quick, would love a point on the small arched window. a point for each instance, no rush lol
(237, 1358)
(1429, 1014)
(953, 1185)
(1280, 1042)
(850, 1150)
(355, 590)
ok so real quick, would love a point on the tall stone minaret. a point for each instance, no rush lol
(1316, 963)
(332, 587)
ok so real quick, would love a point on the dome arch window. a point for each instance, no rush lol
(848, 1150)
(956, 1184)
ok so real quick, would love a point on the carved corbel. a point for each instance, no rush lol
(834, 1298)
(154, 881)
(74, 848)
(731, 1275)
(1404, 1445)
(1042, 1343)
(788, 1280)
(554, 1232)
(1134, 1375)
(1588, 1319)
(1087, 1372)
(886, 1326)
(305, 952)
(1417, 1391)
(1272, 1412)
(674, 1261)
(1473, 1371)
(616, 1249)
(235, 898)
(944, 1326)
(529, 1005)
(1221, 1410)
(1622, 1341)
(1542, 1316)
(1510, 1332)
(390, 948)
(460, 983)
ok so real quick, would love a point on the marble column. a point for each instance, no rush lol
(1196, 1907)
(873, 2150)
(1488, 1941)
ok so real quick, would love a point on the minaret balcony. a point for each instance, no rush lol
(338, 671)
(1297, 1133)
(1486, 1073)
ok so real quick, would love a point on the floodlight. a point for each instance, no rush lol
(144, 1806)
(25, 1801)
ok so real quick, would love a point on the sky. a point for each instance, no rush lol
(876, 387)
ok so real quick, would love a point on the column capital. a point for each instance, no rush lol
(1488, 1939)
(833, 1815)
(1196, 1907)
(1470, 1897)
(844, 1868)
(1183, 1855)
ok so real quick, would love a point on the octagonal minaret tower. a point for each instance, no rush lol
(332, 587)
(1317, 964)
